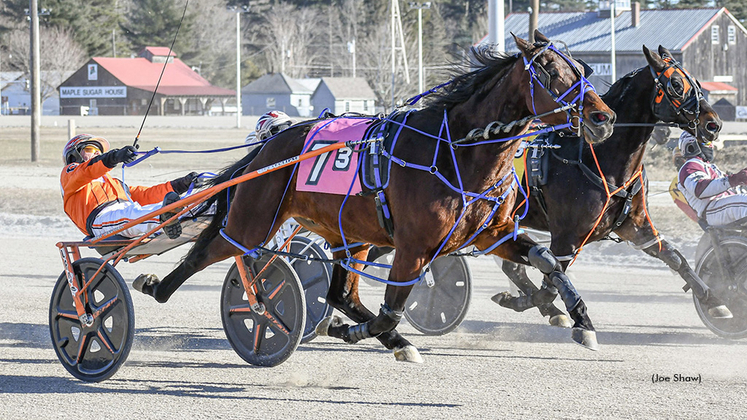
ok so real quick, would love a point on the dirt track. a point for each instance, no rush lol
(498, 363)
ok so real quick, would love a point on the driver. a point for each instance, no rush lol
(99, 204)
(268, 125)
(711, 193)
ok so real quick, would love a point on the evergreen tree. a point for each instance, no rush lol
(738, 8)
(155, 22)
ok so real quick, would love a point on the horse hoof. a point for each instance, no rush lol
(322, 328)
(560, 321)
(586, 338)
(720, 312)
(408, 354)
(501, 298)
(144, 283)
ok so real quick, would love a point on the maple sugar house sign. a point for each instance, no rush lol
(92, 90)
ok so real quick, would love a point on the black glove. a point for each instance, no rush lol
(181, 185)
(124, 155)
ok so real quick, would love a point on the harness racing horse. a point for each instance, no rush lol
(430, 217)
(573, 204)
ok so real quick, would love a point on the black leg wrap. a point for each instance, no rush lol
(541, 258)
(387, 320)
(545, 295)
(358, 332)
(567, 292)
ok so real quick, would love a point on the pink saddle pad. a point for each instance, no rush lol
(333, 172)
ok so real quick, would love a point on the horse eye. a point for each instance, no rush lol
(677, 87)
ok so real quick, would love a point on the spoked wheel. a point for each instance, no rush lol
(732, 288)
(439, 304)
(315, 277)
(264, 338)
(93, 352)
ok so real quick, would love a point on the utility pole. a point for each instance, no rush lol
(397, 29)
(420, 7)
(239, 11)
(496, 25)
(35, 82)
(612, 42)
(534, 19)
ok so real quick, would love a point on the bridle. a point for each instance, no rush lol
(538, 74)
(669, 103)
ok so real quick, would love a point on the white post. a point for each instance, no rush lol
(70, 129)
(393, 51)
(612, 42)
(238, 68)
(35, 82)
(420, 50)
(496, 25)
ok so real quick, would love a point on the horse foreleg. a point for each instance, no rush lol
(525, 250)
(517, 273)
(343, 296)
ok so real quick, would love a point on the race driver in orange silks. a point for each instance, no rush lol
(99, 204)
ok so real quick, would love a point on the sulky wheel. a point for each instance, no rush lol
(93, 352)
(315, 277)
(265, 338)
(729, 284)
(439, 303)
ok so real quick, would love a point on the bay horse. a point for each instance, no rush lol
(573, 205)
(430, 218)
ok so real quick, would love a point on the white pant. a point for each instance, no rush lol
(726, 210)
(117, 215)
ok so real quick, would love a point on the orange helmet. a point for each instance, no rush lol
(71, 152)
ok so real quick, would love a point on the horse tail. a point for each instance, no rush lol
(221, 201)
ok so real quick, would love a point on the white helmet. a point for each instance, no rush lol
(688, 144)
(272, 123)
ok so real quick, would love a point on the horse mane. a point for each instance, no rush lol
(464, 85)
(616, 92)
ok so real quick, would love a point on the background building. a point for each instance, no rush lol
(710, 43)
(277, 91)
(124, 86)
(344, 94)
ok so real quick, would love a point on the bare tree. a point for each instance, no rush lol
(213, 41)
(290, 34)
(60, 55)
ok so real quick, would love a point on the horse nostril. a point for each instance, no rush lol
(712, 127)
(600, 118)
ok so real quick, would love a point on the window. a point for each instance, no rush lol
(347, 106)
(714, 35)
(732, 34)
(365, 105)
(270, 102)
(300, 102)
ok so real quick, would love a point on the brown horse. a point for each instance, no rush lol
(424, 209)
(572, 200)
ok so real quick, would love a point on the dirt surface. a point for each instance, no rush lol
(497, 363)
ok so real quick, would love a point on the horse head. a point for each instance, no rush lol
(678, 97)
(557, 79)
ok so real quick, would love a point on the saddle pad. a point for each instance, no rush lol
(332, 172)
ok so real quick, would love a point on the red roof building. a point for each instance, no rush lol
(124, 86)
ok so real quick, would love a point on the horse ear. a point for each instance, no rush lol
(522, 44)
(654, 60)
(539, 36)
(664, 53)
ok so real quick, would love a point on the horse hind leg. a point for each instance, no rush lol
(149, 284)
(677, 262)
(343, 296)
(532, 296)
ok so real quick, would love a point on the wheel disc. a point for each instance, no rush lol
(440, 308)
(315, 277)
(264, 339)
(92, 353)
(731, 290)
